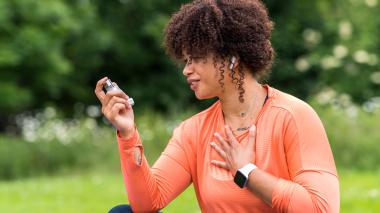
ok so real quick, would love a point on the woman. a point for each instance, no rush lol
(256, 149)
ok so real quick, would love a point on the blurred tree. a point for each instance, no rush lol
(53, 52)
(48, 50)
(327, 44)
(137, 60)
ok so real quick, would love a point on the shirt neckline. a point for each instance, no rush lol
(268, 102)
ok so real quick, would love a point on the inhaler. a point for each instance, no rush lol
(109, 86)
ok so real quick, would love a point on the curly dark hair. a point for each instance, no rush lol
(223, 28)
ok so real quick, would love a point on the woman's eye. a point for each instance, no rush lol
(197, 59)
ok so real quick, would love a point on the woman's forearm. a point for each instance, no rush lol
(262, 184)
(309, 191)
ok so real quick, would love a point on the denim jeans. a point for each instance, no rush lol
(124, 208)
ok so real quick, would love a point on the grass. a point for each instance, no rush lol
(99, 191)
(360, 191)
(88, 192)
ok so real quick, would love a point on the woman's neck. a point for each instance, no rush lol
(241, 113)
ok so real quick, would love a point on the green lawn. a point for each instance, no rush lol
(98, 191)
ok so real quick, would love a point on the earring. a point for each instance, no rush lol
(233, 60)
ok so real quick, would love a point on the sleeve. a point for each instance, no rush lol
(151, 189)
(314, 185)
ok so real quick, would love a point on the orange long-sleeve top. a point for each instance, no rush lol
(291, 144)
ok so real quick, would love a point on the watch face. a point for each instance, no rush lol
(240, 179)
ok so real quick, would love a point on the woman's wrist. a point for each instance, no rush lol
(127, 134)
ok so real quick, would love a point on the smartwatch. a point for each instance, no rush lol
(241, 176)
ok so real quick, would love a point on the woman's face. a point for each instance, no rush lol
(203, 77)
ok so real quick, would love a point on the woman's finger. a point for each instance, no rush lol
(220, 164)
(225, 145)
(116, 99)
(116, 109)
(99, 90)
(231, 138)
(109, 111)
(252, 137)
(219, 150)
(118, 93)
(113, 93)
(112, 101)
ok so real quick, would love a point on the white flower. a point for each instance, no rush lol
(50, 112)
(344, 99)
(312, 37)
(93, 111)
(90, 124)
(302, 64)
(345, 29)
(352, 111)
(340, 51)
(371, 3)
(325, 96)
(361, 56)
(375, 77)
(329, 62)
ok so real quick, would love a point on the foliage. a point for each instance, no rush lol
(50, 143)
(351, 129)
(48, 50)
(54, 55)
(327, 44)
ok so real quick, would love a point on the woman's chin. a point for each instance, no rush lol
(203, 96)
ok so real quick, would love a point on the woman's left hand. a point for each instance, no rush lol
(235, 155)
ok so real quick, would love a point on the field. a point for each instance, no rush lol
(97, 191)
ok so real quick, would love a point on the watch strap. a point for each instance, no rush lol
(247, 169)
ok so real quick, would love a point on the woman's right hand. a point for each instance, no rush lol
(116, 108)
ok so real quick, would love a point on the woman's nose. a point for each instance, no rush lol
(187, 70)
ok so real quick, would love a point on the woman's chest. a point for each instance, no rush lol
(216, 184)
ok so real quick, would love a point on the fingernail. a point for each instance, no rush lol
(216, 134)
(253, 128)
(212, 144)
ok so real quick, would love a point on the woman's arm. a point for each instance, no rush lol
(311, 191)
(148, 189)
(151, 189)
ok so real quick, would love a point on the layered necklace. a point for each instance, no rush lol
(244, 114)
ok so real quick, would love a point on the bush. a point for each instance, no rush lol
(51, 144)
(352, 129)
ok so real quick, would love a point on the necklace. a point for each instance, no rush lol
(242, 114)
(242, 128)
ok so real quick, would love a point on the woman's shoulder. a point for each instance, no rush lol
(291, 104)
(202, 116)
(191, 127)
(205, 114)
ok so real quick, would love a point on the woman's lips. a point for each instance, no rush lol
(193, 83)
